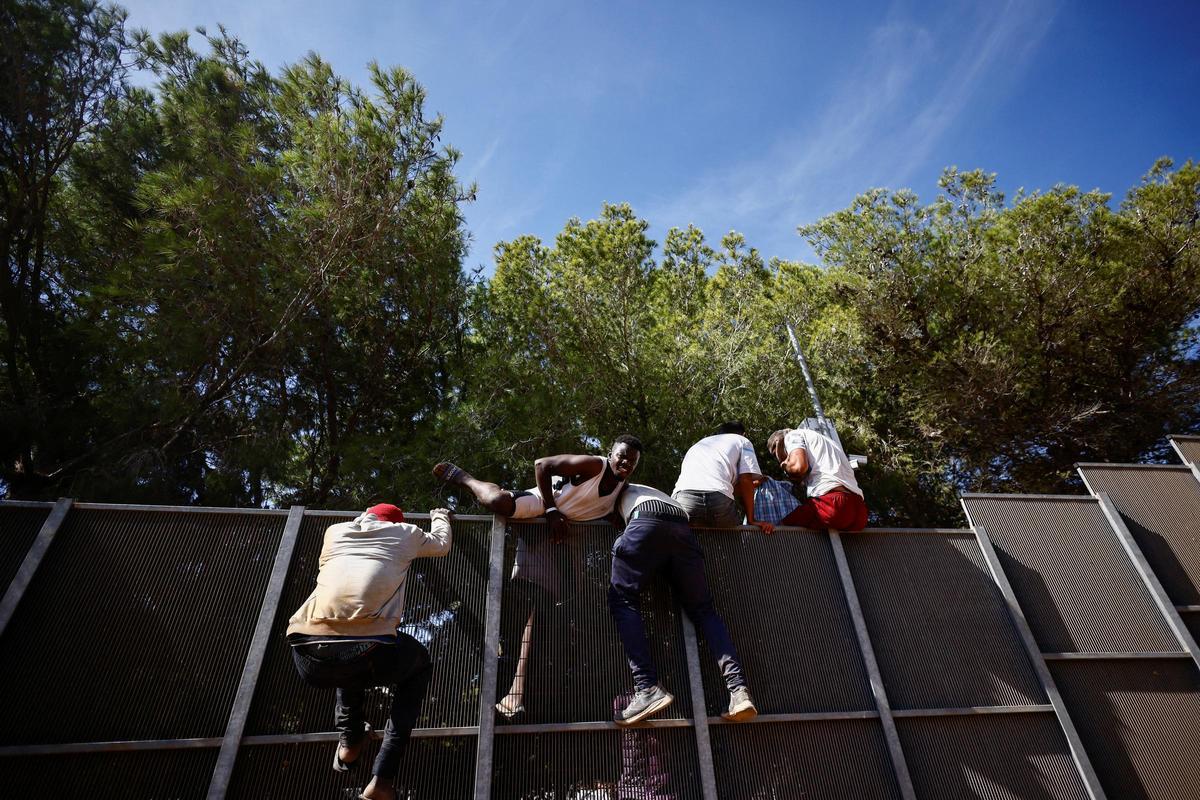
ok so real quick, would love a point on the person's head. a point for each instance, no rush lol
(775, 444)
(386, 512)
(626, 452)
(733, 426)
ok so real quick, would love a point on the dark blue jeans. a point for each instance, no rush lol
(650, 546)
(352, 668)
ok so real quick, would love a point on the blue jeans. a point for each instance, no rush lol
(647, 547)
(352, 668)
(709, 509)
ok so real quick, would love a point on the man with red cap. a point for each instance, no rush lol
(345, 635)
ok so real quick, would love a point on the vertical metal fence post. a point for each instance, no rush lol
(33, 558)
(1083, 763)
(708, 776)
(899, 765)
(491, 652)
(1142, 567)
(223, 771)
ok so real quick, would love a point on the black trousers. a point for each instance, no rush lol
(354, 667)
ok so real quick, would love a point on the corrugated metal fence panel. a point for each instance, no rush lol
(635, 764)
(1140, 722)
(576, 663)
(432, 769)
(781, 761)
(1161, 508)
(1188, 447)
(991, 757)
(19, 526)
(939, 626)
(782, 600)
(444, 600)
(146, 775)
(1192, 620)
(136, 626)
(1073, 579)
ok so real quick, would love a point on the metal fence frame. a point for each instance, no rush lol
(229, 745)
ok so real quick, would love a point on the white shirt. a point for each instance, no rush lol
(828, 466)
(713, 464)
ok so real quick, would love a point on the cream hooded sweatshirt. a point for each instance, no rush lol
(362, 573)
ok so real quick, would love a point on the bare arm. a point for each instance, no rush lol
(796, 464)
(744, 488)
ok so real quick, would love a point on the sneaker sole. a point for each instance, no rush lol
(653, 708)
(742, 714)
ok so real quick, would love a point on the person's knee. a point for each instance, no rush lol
(496, 500)
(698, 608)
(620, 599)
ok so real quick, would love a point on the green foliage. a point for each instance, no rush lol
(246, 288)
(268, 270)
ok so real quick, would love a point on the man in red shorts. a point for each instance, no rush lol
(817, 462)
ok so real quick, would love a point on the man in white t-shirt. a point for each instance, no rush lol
(817, 462)
(715, 470)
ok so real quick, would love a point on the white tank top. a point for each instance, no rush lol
(583, 502)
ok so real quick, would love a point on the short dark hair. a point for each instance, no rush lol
(630, 440)
(732, 426)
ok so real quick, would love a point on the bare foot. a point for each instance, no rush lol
(379, 789)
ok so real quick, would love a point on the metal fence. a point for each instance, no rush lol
(143, 657)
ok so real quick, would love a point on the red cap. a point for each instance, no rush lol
(387, 512)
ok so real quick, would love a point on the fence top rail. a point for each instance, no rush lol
(1103, 465)
(283, 512)
(1084, 498)
(333, 513)
(1184, 437)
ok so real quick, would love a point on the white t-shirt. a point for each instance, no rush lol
(828, 465)
(713, 464)
(637, 493)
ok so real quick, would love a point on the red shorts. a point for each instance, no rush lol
(843, 511)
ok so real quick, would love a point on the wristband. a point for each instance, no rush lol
(552, 508)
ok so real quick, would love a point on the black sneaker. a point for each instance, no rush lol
(349, 748)
(644, 703)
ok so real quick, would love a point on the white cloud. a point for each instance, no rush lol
(878, 129)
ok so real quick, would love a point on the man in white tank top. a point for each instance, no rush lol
(588, 490)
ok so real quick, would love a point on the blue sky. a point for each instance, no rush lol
(755, 117)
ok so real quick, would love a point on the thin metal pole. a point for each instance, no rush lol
(33, 559)
(899, 765)
(1165, 606)
(812, 387)
(223, 771)
(484, 746)
(708, 776)
(1083, 763)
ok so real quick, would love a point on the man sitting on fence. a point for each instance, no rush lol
(587, 489)
(817, 462)
(657, 539)
(714, 470)
(345, 635)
